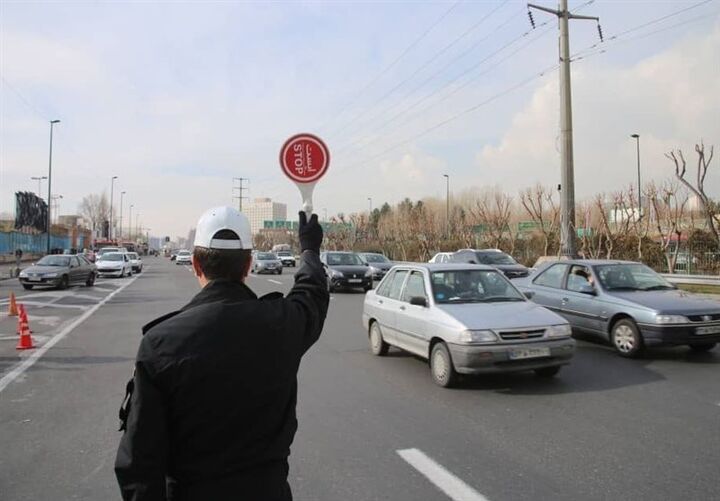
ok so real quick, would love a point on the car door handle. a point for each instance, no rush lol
(380, 301)
(565, 300)
(402, 308)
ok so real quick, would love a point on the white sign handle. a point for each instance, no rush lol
(306, 191)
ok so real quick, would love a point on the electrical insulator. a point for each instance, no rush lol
(600, 32)
(532, 20)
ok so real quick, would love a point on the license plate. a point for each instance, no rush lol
(355, 280)
(522, 353)
(34, 279)
(713, 329)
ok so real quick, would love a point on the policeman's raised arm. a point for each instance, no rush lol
(310, 289)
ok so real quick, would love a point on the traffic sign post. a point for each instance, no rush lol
(304, 158)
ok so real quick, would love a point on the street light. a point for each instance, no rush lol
(637, 142)
(130, 223)
(122, 194)
(39, 180)
(49, 221)
(112, 188)
(370, 202)
(447, 205)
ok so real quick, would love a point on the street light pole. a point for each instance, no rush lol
(637, 142)
(447, 205)
(39, 180)
(130, 223)
(370, 203)
(122, 194)
(110, 225)
(49, 221)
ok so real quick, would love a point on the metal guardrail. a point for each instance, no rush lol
(677, 278)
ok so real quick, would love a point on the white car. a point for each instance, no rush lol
(114, 264)
(183, 257)
(136, 262)
(105, 250)
(466, 319)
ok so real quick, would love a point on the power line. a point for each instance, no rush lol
(25, 101)
(396, 60)
(423, 66)
(471, 109)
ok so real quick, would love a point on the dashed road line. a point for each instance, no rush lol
(36, 355)
(452, 486)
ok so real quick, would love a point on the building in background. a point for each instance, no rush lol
(264, 209)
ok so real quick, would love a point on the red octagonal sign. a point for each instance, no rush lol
(304, 158)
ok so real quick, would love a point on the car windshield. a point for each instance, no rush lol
(343, 259)
(375, 258)
(54, 261)
(473, 286)
(183, 253)
(284, 253)
(266, 256)
(495, 258)
(108, 249)
(630, 277)
(111, 256)
(132, 255)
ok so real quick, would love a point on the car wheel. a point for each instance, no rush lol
(702, 346)
(441, 366)
(279, 272)
(367, 288)
(626, 338)
(91, 280)
(378, 346)
(27, 287)
(547, 372)
(331, 287)
(64, 282)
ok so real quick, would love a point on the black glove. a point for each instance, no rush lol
(310, 233)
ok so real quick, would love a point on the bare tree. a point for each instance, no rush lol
(494, 210)
(668, 206)
(95, 209)
(708, 206)
(540, 205)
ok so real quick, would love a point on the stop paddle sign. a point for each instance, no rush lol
(304, 158)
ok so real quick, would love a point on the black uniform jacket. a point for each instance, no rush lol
(212, 414)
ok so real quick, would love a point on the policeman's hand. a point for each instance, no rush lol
(310, 233)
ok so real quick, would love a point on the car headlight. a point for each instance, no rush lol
(369, 272)
(477, 337)
(563, 330)
(49, 275)
(23, 274)
(671, 319)
(336, 274)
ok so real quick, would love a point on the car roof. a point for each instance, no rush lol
(339, 252)
(432, 267)
(591, 262)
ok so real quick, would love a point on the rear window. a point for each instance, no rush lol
(552, 277)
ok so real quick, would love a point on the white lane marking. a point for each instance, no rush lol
(456, 489)
(52, 304)
(274, 281)
(36, 355)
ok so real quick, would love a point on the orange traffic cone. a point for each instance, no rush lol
(12, 309)
(25, 342)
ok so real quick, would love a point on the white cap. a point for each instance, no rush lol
(223, 218)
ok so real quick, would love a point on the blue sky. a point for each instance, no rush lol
(177, 98)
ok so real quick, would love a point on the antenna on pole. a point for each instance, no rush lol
(240, 188)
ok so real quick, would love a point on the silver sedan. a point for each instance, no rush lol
(626, 303)
(466, 319)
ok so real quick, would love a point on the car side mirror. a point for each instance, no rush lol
(367, 264)
(529, 294)
(419, 301)
(588, 289)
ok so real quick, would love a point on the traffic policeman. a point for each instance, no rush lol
(210, 411)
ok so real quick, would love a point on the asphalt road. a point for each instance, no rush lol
(605, 428)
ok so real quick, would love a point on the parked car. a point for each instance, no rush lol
(466, 319)
(493, 257)
(136, 262)
(627, 304)
(346, 270)
(182, 257)
(286, 257)
(266, 262)
(378, 263)
(105, 250)
(59, 271)
(441, 257)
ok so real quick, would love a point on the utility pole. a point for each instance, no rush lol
(447, 205)
(49, 221)
(370, 205)
(122, 194)
(637, 140)
(240, 189)
(110, 223)
(568, 245)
